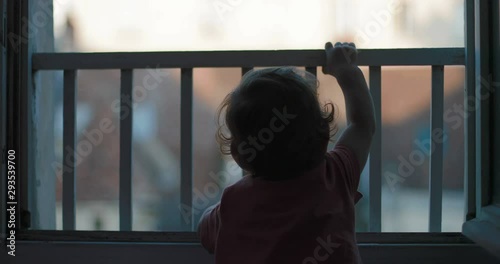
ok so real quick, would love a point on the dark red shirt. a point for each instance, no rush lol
(307, 219)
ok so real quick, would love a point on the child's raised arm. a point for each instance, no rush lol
(341, 62)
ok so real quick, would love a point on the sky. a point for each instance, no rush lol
(147, 25)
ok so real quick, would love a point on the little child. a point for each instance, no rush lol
(297, 203)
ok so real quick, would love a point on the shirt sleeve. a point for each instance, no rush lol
(208, 227)
(350, 168)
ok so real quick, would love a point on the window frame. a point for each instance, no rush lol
(483, 42)
(20, 137)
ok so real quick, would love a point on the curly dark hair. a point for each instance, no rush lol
(273, 125)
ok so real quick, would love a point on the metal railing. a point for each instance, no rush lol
(375, 59)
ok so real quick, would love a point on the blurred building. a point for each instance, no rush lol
(129, 25)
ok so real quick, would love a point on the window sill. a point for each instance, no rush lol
(192, 237)
(183, 247)
(192, 253)
(485, 231)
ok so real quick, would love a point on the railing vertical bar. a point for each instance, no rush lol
(187, 149)
(244, 70)
(375, 224)
(313, 70)
(126, 100)
(436, 154)
(69, 140)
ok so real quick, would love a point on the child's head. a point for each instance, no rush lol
(277, 128)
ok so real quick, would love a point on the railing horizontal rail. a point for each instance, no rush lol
(238, 59)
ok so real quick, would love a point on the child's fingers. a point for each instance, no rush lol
(328, 45)
(341, 52)
(325, 68)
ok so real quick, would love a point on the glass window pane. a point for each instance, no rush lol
(156, 150)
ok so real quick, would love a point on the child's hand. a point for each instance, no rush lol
(340, 59)
(341, 62)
